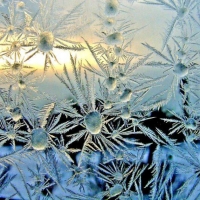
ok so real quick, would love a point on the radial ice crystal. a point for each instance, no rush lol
(111, 7)
(15, 46)
(111, 83)
(181, 70)
(10, 30)
(20, 7)
(114, 38)
(16, 67)
(93, 122)
(126, 95)
(118, 51)
(45, 41)
(39, 139)
(21, 84)
(16, 114)
(109, 22)
(182, 12)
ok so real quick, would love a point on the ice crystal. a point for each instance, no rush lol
(111, 7)
(93, 122)
(39, 139)
(47, 36)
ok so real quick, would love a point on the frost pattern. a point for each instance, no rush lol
(116, 136)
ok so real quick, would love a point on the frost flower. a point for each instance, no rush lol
(126, 95)
(111, 7)
(111, 83)
(114, 38)
(181, 70)
(20, 6)
(39, 139)
(93, 122)
(45, 41)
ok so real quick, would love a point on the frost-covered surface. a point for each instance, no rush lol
(114, 110)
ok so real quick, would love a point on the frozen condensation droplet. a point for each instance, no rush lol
(182, 12)
(111, 83)
(15, 46)
(21, 84)
(93, 122)
(39, 139)
(114, 38)
(45, 41)
(16, 114)
(181, 70)
(126, 95)
(109, 22)
(16, 67)
(118, 51)
(10, 30)
(20, 6)
(111, 7)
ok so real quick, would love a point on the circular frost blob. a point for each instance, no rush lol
(16, 67)
(126, 95)
(21, 84)
(20, 6)
(93, 122)
(114, 38)
(109, 22)
(10, 30)
(122, 76)
(185, 39)
(111, 7)
(191, 124)
(39, 139)
(16, 114)
(111, 83)
(116, 190)
(45, 41)
(15, 46)
(182, 12)
(181, 70)
(118, 51)
(112, 64)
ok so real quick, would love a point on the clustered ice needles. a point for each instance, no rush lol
(116, 137)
